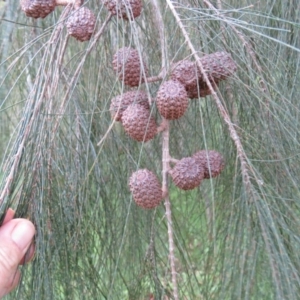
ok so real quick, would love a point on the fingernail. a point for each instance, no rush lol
(22, 234)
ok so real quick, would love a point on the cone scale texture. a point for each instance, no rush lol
(37, 8)
(212, 162)
(218, 66)
(172, 100)
(81, 24)
(187, 173)
(200, 89)
(145, 188)
(121, 102)
(138, 123)
(129, 67)
(185, 71)
(126, 9)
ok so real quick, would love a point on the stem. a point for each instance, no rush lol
(249, 48)
(78, 69)
(228, 89)
(163, 126)
(76, 3)
(153, 79)
(159, 77)
(166, 167)
(165, 158)
(161, 31)
(165, 147)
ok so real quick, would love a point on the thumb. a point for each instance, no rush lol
(15, 238)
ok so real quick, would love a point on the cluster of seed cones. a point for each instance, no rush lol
(133, 110)
(187, 174)
(125, 9)
(81, 23)
(187, 82)
(172, 99)
(218, 66)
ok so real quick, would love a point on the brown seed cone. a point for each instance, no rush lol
(121, 102)
(212, 162)
(127, 64)
(187, 173)
(218, 65)
(37, 8)
(126, 9)
(185, 71)
(81, 24)
(172, 100)
(200, 90)
(145, 188)
(138, 123)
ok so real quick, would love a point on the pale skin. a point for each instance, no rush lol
(16, 248)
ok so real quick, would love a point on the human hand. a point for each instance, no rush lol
(15, 239)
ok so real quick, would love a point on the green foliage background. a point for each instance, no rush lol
(234, 239)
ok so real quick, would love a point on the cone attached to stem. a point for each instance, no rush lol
(81, 24)
(126, 9)
(121, 102)
(186, 72)
(145, 188)
(187, 173)
(218, 66)
(172, 100)
(42, 8)
(129, 66)
(212, 162)
(138, 123)
(38, 8)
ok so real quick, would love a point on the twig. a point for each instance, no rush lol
(166, 155)
(109, 128)
(228, 89)
(153, 79)
(249, 48)
(166, 168)
(77, 71)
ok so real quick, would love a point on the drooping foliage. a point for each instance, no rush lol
(236, 236)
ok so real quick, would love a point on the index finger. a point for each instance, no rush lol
(8, 216)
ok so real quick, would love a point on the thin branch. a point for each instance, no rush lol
(77, 72)
(153, 79)
(228, 88)
(166, 156)
(166, 168)
(247, 45)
